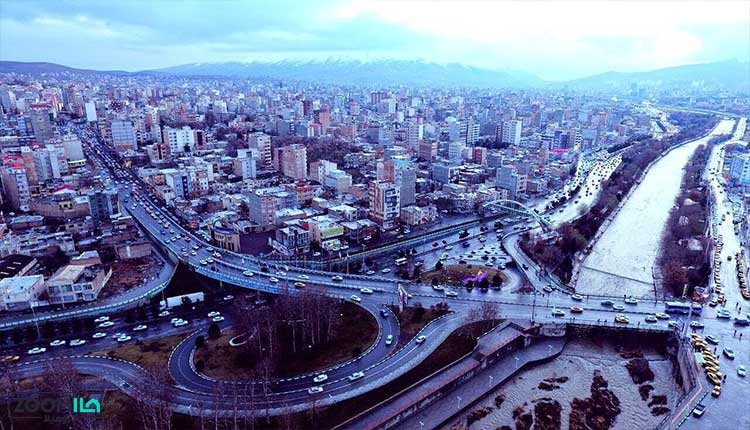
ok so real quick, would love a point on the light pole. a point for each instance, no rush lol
(491, 378)
(517, 360)
(421, 425)
(458, 404)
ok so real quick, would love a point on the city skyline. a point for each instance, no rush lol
(496, 36)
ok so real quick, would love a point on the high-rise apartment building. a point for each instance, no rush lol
(385, 203)
(261, 142)
(292, 161)
(511, 132)
(40, 122)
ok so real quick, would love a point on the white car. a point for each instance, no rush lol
(228, 298)
(631, 301)
(214, 314)
(180, 323)
(386, 270)
(99, 335)
(661, 316)
(355, 298)
(389, 339)
(356, 375)
(77, 342)
(741, 371)
(248, 273)
(320, 378)
(420, 339)
(37, 350)
(164, 313)
(315, 390)
(451, 294)
(336, 278)
(123, 338)
(558, 313)
(174, 320)
(303, 277)
(274, 280)
(365, 290)
(140, 327)
(217, 319)
(101, 319)
(577, 297)
(57, 343)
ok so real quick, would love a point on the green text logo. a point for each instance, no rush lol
(91, 406)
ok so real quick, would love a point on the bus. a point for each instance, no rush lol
(682, 308)
(400, 261)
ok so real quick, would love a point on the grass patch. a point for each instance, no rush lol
(153, 352)
(357, 332)
(412, 320)
(456, 273)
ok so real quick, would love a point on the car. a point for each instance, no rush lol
(337, 278)
(228, 298)
(716, 392)
(619, 308)
(651, 318)
(10, 358)
(180, 323)
(217, 319)
(99, 335)
(124, 338)
(203, 262)
(273, 279)
(548, 289)
(576, 309)
(577, 297)
(140, 327)
(696, 324)
(356, 376)
(164, 313)
(77, 342)
(174, 320)
(386, 270)
(365, 290)
(661, 316)
(451, 294)
(622, 319)
(420, 339)
(607, 303)
(699, 409)
(355, 298)
(389, 339)
(712, 339)
(57, 342)
(36, 350)
(741, 371)
(209, 260)
(742, 321)
(631, 301)
(315, 390)
(214, 314)
(370, 272)
(101, 319)
(728, 353)
(299, 284)
(320, 378)
(723, 314)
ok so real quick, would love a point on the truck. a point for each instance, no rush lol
(171, 302)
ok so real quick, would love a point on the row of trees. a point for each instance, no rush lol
(290, 326)
(557, 253)
(683, 260)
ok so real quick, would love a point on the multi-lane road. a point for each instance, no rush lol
(382, 363)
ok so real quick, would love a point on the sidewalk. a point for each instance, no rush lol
(472, 391)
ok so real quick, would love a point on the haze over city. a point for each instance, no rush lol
(374, 215)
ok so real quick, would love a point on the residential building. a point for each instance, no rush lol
(20, 292)
(384, 203)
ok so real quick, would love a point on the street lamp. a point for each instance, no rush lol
(517, 359)
(458, 399)
(491, 378)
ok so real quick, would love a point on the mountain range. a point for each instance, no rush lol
(730, 74)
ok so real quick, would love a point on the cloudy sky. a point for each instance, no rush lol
(554, 40)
